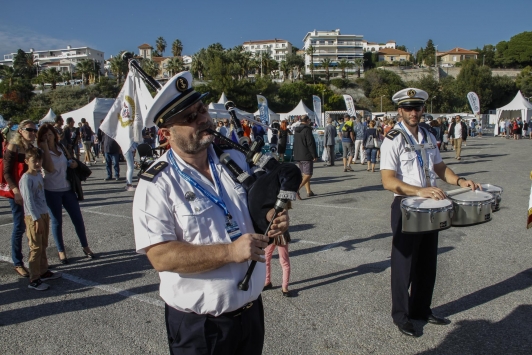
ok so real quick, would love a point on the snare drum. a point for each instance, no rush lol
(422, 215)
(472, 207)
(496, 191)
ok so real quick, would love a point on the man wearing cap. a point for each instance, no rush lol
(410, 163)
(192, 221)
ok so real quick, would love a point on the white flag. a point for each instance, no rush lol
(125, 120)
(474, 102)
(350, 104)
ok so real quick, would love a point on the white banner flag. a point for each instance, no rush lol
(263, 109)
(350, 104)
(474, 102)
(317, 110)
(125, 120)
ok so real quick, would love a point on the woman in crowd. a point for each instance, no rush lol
(14, 161)
(435, 124)
(58, 191)
(284, 132)
(371, 151)
(130, 163)
(282, 248)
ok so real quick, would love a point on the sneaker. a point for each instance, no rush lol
(117, 178)
(108, 178)
(88, 164)
(48, 275)
(38, 285)
(130, 188)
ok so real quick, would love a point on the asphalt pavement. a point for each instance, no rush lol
(340, 259)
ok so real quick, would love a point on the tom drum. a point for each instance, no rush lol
(496, 191)
(421, 215)
(472, 207)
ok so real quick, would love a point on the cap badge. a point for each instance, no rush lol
(181, 84)
(411, 93)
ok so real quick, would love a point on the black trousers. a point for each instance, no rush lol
(195, 334)
(414, 260)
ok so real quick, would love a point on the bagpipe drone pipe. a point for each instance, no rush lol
(272, 185)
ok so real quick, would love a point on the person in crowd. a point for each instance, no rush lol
(473, 127)
(221, 128)
(8, 133)
(130, 163)
(369, 145)
(77, 141)
(414, 256)
(518, 128)
(329, 140)
(258, 131)
(96, 146)
(479, 129)
(111, 150)
(148, 136)
(281, 242)
(246, 128)
(305, 153)
(14, 166)
(509, 126)
(348, 143)
(69, 135)
(37, 220)
(458, 133)
(58, 125)
(228, 127)
(359, 141)
(437, 132)
(530, 129)
(284, 132)
(199, 262)
(86, 134)
(58, 191)
(295, 124)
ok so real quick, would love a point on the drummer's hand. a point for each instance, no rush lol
(432, 192)
(470, 183)
(280, 223)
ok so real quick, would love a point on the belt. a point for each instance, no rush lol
(237, 312)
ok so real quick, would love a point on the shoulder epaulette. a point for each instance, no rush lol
(155, 169)
(393, 133)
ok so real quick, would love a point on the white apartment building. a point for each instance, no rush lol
(61, 59)
(276, 48)
(334, 46)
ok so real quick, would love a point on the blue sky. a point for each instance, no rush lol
(112, 26)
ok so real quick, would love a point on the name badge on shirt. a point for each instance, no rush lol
(232, 229)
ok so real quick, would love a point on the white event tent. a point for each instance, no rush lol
(49, 118)
(301, 110)
(93, 112)
(273, 116)
(518, 107)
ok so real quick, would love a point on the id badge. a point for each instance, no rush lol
(231, 227)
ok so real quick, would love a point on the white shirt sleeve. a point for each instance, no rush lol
(390, 154)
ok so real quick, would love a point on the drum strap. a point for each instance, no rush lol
(420, 150)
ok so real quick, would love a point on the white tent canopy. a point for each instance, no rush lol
(223, 99)
(273, 116)
(301, 110)
(93, 112)
(217, 110)
(49, 118)
(519, 107)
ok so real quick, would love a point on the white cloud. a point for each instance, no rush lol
(13, 39)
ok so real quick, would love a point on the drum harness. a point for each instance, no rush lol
(420, 149)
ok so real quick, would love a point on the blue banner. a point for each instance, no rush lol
(317, 110)
(263, 110)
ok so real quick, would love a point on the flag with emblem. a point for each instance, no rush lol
(125, 121)
(350, 104)
(263, 109)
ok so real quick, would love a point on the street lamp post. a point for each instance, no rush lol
(381, 101)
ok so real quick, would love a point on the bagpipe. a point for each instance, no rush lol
(272, 184)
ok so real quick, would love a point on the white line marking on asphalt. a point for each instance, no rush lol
(345, 207)
(7, 224)
(333, 245)
(310, 242)
(105, 288)
(106, 214)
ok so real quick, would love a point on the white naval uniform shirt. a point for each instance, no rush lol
(162, 213)
(406, 165)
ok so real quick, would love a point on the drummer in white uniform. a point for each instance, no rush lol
(192, 221)
(413, 172)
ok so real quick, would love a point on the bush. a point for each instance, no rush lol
(340, 83)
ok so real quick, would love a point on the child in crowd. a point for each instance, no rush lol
(37, 220)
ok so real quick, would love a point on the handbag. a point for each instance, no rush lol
(370, 142)
(377, 141)
(18, 171)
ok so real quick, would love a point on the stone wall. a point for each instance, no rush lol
(416, 74)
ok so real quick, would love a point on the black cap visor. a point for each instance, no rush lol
(178, 105)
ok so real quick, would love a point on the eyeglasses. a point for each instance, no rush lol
(409, 108)
(201, 108)
(31, 130)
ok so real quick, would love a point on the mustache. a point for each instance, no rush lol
(207, 125)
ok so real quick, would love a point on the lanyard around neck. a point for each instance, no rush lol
(191, 181)
(419, 157)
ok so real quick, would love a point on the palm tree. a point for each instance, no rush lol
(85, 67)
(285, 68)
(359, 63)
(65, 76)
(198, 64)
(343, 65)
(175, 65)
(160, 44)
(310, 51)
(9, 74)
(150, 67)
(325, 64)
(118, 67)
(177, 48)
(52, 76)
(31, 65)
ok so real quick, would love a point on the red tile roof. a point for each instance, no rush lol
(391, 51)
(145, 46)
(458, 50)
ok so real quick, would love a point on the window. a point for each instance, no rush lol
(454, 58)
(283, 45)
(252, 47)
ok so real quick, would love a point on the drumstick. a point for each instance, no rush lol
(457, 191)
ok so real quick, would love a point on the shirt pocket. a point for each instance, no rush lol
(195, 218)
(408, 162)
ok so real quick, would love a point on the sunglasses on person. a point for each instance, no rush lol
(410, 108)
(31, 130)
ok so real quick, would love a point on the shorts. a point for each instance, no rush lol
(306, 167)
(348, 148)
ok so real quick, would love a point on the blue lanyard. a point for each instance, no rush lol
(192, 182)
(419, 158)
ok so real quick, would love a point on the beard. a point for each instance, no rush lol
(197, 143)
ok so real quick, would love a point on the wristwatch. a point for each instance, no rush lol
(458, 181)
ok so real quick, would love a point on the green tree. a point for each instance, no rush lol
(177, 48)
(160, 45)
(517, 52)
(343, 65)
(51, 76)
(310, 52)
(358, 63)
(429, 53)
(9, 74)
(285, 69)
(85, 67)
(476, 79)
(150, 67)
(401, 48)
(118, 67)
(369, 61)
(20, 64)
(326, 64)
(524, 81)
(175, 65)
